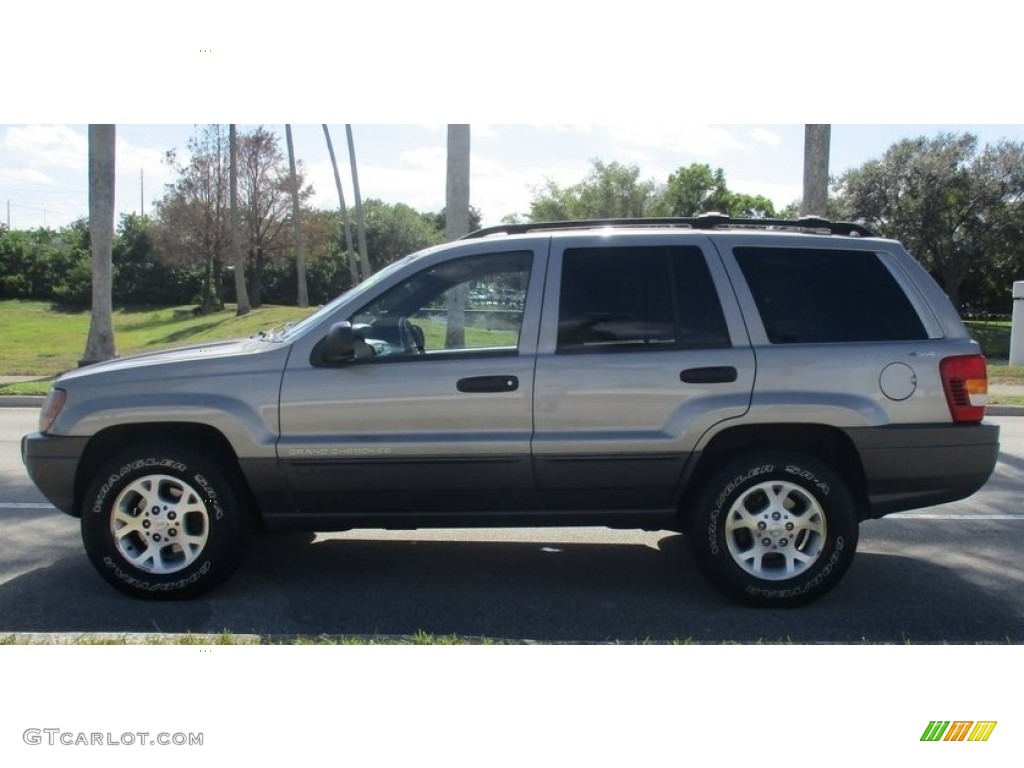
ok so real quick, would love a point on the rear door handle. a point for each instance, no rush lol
(719, 374)
(477, 384)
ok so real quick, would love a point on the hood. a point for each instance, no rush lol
(216, 350)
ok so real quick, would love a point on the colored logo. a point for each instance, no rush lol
(959, 730)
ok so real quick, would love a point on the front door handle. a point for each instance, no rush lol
(719, 374)
(476, 384)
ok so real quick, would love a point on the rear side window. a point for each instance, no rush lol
(638, 298)
(810, 295)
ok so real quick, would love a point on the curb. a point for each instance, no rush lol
(1005, 410)
(126, 638)
(21, 401)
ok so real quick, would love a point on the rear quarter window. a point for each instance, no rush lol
(823, 295)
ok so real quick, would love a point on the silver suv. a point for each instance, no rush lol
(762, 386)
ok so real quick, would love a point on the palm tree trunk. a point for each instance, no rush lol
(360, 224)
(457, 225)
(300, 259)
(816, 150)
(100, 342)
(241, 295)
(353, 264)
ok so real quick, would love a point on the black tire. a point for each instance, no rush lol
(163, 522)
(774, 529)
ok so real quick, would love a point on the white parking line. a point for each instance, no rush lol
(948, 516)
(25, 505)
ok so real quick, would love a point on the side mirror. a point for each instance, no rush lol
(340, 345)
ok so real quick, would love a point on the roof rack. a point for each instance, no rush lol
(704, 221)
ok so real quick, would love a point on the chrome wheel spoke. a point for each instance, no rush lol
(160, 524)
(775, 530)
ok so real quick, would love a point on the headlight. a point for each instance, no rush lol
(53, 405)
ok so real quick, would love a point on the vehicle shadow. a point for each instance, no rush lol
(576, 593)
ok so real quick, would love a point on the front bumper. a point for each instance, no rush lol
(52, 463)
(909, 467)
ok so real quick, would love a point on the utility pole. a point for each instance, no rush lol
(142, 194)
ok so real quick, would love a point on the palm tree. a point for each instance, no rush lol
(100, 343)
(457, 224)
(241, 295)
(300, 259)
(353, 263)
(816, 150)
(360, 224)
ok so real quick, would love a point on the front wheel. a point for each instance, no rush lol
(163, 523)
(774, 529)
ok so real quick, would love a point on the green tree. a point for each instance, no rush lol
(140, 277)
(952, 204)
(194, 212)
(610, 190)
(396, 230)
(697, 189)
(264, 200)
(439, 220)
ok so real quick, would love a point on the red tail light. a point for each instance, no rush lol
(965, 380)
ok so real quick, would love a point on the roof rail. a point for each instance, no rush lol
(703, 221)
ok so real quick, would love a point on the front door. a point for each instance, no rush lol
(436, 413)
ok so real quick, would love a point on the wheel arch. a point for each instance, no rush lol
(202, 438)
(822, 442)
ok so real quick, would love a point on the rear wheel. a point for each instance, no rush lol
(774, 529)
(163, 523)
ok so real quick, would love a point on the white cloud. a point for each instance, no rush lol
(28, 175)
(419, 181)
(765, 136)
(701, 140)
(429, 159)
(781, 195)
(49, 146)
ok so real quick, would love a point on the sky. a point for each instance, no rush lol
(43, 167)
(546, 87)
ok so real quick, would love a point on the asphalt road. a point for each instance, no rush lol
(946, 574)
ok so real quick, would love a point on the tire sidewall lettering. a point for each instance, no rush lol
(710, 537)
(157, 586)
(227, 528)
(723, 498)
(114, 480)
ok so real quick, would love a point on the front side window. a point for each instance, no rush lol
(638, 297)
(818, 295)
(473, 303)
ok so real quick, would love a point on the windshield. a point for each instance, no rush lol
(293, 330)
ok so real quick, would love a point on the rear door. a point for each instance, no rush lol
(639, 356)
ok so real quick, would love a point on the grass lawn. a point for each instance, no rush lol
(994, 337)
(38, 340)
